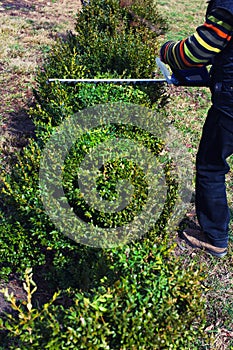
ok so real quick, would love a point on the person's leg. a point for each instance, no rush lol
(211, 167)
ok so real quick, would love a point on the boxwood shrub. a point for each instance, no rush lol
(136, 296)
(117, 36)
(149, 302)
(106, 44)
(28, 236)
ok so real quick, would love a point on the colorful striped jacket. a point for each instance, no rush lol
(200, 48)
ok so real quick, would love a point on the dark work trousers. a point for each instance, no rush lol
(211, 167)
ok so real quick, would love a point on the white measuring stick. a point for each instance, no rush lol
(116, 80)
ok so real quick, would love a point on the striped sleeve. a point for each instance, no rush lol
(199, 49)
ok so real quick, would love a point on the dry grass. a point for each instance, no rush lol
(182, 16)
(27, 31)
(187, 108)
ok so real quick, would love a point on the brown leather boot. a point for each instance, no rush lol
(197, 239)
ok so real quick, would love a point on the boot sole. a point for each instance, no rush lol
(207, 250)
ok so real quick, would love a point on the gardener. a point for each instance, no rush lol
(212, 44)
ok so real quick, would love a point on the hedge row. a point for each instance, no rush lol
(135, 296)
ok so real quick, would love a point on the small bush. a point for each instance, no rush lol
(113, 36)
(107, 44)
(152, 303)
(29, 237)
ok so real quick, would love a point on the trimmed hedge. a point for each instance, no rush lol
(137, 296)
(107, 44)
(153, 304)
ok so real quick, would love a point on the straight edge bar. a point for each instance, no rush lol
(107, 80)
